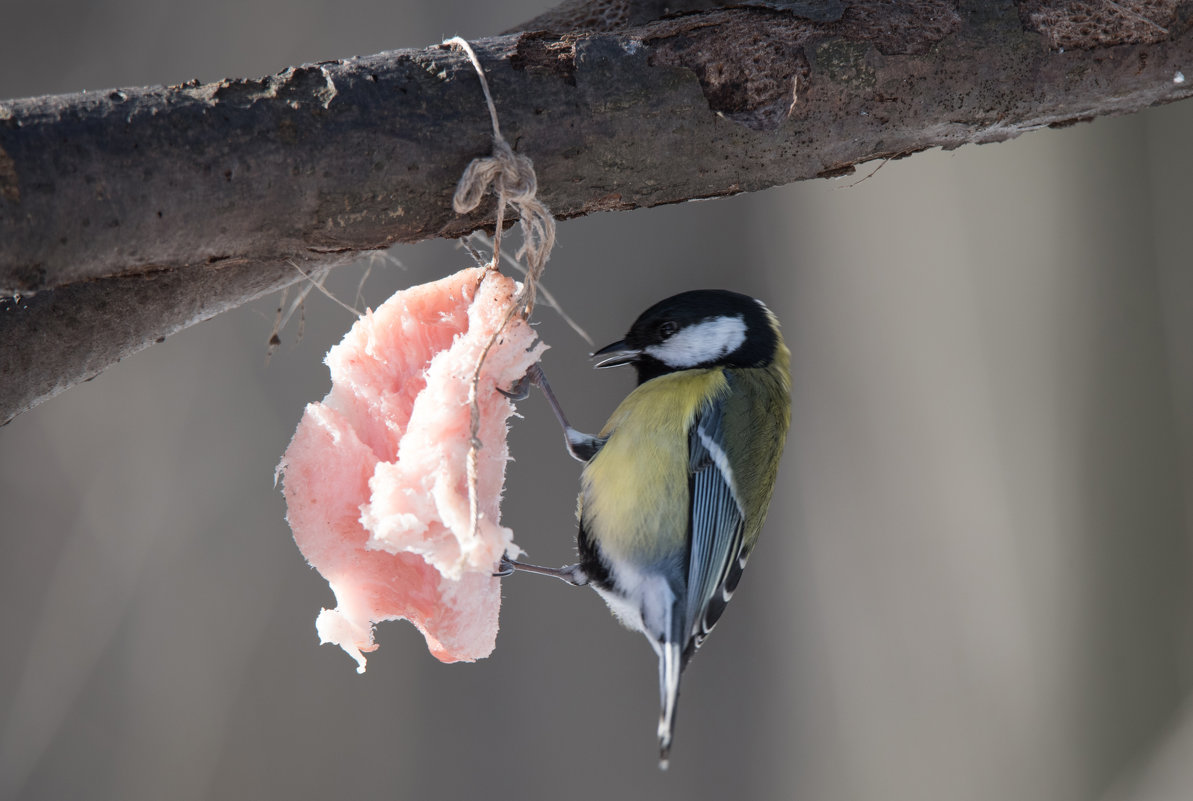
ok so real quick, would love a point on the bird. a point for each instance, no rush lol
(676, 486)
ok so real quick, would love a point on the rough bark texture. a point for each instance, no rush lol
(127, 215)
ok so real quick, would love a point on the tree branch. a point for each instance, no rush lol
(134, 213)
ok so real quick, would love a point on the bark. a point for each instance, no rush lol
(130, 214)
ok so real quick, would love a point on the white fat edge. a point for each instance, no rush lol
(701, 343)
(335, 627)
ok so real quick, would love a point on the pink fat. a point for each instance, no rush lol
(376, 475)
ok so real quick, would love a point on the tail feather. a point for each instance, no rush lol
(670, 669)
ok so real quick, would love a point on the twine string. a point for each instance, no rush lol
(511, 176)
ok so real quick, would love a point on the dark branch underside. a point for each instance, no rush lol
(134, 213)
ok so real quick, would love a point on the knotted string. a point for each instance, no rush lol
(512, 177)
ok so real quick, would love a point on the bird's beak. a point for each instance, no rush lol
(616, 354)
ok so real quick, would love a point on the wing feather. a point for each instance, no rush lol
(717, 525)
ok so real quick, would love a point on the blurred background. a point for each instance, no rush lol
(974, 584)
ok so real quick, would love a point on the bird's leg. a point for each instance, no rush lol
(572, 574)
(580, 445)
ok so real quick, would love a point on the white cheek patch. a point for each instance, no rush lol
(701, 343)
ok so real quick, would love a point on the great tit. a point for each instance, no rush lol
(676, 486)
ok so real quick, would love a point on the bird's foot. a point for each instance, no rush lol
(572, 574)
(520, 390)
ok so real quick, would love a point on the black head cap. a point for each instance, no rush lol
(701, 328)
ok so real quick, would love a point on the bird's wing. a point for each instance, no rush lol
(717, 525)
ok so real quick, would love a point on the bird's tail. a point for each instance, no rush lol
(670, 668)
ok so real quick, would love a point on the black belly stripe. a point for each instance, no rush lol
(590, 560)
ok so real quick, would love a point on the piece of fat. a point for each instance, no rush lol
(376, 476)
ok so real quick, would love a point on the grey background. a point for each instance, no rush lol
(975, 582)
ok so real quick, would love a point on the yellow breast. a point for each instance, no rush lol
(634, 492)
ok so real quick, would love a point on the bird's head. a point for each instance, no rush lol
(701, 328)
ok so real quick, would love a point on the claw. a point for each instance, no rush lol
(520, 391)
(505, 567)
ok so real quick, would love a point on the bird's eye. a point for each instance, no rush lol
(667, 328)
